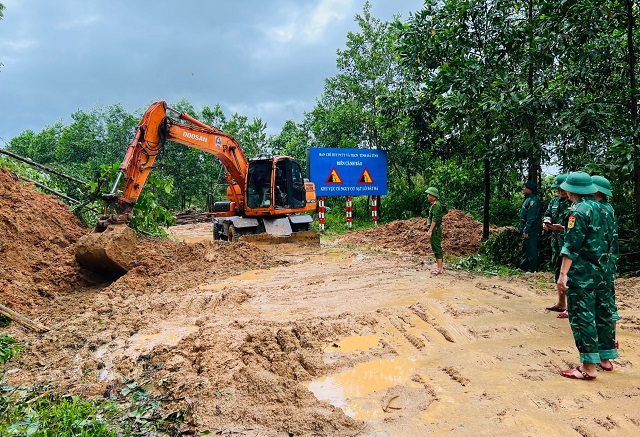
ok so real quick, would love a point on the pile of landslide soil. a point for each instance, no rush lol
(36, 236)
(461, 235)
(37, 261)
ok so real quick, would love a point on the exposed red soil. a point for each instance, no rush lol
(234, 335)
(461, 235)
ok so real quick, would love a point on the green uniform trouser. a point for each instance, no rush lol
(592, 323)
(613, 305)
(436, 242)
(556, 262)
(556, 257)
(529, 260)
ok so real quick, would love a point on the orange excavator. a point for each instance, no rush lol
(267, 198)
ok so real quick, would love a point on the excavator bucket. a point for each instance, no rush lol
(110, 253)
(304, 238)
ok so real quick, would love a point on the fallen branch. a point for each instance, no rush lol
(42, 167)
(22, 319)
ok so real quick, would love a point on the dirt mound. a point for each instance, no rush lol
(175, 266)
(36, 234)
(37, 261)
(461, 235)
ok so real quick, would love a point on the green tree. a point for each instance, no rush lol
(252, 136)
(293, 141)
(79, 141)
(40, 147)
(596, 77)
(364, 105)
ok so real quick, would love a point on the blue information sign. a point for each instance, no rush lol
(348, 172)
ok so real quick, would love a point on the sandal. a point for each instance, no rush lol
(563, 315)
(606, 369)
(571, 373)
(556, 308)
(436, 272)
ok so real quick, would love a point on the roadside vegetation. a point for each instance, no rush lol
(42, 410)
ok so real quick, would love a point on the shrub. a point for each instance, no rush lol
(8, 348)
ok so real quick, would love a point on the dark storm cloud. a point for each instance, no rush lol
(264, 59)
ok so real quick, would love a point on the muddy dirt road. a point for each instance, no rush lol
(332, 341)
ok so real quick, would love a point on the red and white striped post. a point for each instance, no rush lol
(349, 212)
(321, 214)
(374, 210)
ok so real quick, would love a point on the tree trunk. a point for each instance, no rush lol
(487, 198)
(635, 143)
(534, 169)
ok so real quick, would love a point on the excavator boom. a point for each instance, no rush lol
(263, 196)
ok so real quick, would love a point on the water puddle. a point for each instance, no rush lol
(170, 337)
(336, 256)
(283, 316)
(250, 275)
(354, 344)
(194, 239)
(358, 391)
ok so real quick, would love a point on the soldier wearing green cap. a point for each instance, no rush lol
(553, 221)
(529, 227)
(584, 278)
(604, 189)
(434, 226)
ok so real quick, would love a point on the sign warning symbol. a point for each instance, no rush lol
(334, 178)
(365, 178)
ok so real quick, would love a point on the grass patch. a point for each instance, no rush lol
(482, 264)
(35, 411)
(42, 411)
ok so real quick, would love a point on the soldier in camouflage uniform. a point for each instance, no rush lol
(584, 276)
(529, 227)
(434, 225)
(604, 189)
(553, 220)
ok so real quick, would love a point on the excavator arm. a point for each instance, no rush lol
(269, 206)
(155, 128)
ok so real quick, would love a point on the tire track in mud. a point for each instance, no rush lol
(456, 338)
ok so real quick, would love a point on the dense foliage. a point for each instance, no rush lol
(472, 96)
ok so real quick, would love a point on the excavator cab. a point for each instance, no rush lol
(277, 196)
(275, 183)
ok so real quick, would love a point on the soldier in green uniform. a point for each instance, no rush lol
(553, 221)
(584, 277)
(434, 225)
(604, 189)
(529, 227)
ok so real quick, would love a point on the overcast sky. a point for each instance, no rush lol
(260, 58)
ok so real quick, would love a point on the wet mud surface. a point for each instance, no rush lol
(344, 339)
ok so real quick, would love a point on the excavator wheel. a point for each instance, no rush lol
(232, 234)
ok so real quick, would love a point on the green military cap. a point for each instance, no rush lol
(559, 180)
(602, 184)
(579, 182)
(433, 191)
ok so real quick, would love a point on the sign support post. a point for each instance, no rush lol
(321, 214)
(374, 210)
